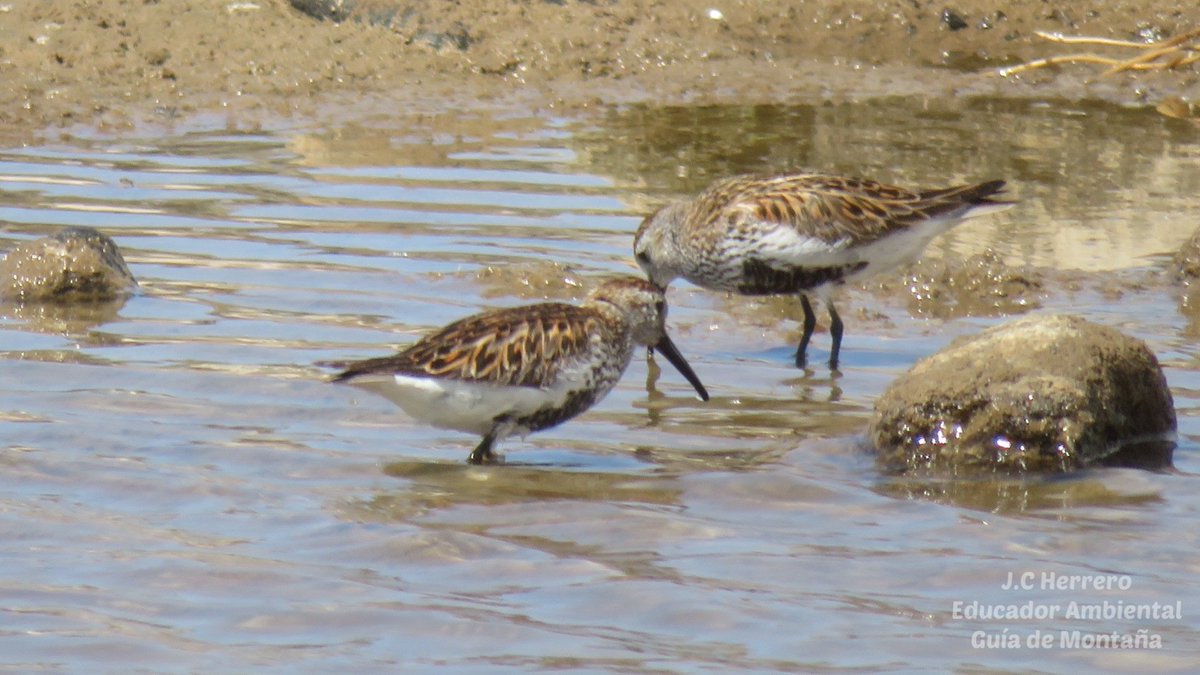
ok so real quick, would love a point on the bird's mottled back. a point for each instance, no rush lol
(516, 346)
(527, 346)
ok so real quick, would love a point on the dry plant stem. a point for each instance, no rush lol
(1167, 47)
(1175, 48)
(1074, 58)
(1084, 40)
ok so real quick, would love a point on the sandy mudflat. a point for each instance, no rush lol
(111, 63)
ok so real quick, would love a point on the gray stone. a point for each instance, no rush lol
(423, 24)
(1187, 260)
(326, 10)
(1041, 393)
(79, 264)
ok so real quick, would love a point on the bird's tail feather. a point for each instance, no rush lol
(973, 200)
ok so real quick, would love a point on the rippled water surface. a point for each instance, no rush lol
(183, 490)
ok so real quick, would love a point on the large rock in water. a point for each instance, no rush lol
(78, 264)
(1042, 393)
(1187, 260)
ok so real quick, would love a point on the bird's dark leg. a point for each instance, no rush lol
(482, 454)
(835, 332)
(810, 324)
(653, 372)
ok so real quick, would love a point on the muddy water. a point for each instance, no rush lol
(184, 492)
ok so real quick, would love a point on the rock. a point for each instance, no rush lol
(325, 10)
(1187, 260)
(533, 280)
(1186, 267)
(1041, 393)
(79, 264)
(981, 285)
(953, 20)
(421, 25)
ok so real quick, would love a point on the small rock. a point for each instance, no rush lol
(79, 264)
(1187, 260)
(384, 13)
(325, 10)
(1186, 267)
(989, 22)
(159, 56)
(540, 280)
(953, 20)
(1150, 33)
(1042, 393)
(981, 285)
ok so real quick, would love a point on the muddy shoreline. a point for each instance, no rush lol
(112, 64)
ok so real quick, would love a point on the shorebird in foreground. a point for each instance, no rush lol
(522, 369)
(800, 233)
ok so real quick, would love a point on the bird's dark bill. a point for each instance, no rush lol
(667, 349)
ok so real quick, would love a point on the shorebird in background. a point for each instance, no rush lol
(523, 369)
(800, 233)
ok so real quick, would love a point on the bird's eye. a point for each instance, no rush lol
(642, 257)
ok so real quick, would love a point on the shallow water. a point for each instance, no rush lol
(185, 492)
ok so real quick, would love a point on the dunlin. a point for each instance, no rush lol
(522, 369)
(800, 233)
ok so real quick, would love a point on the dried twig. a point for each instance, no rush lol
(1181, 50)
(1085, 40)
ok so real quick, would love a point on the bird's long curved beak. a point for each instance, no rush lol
(669, 350)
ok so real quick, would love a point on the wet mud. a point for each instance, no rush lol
(112, 63)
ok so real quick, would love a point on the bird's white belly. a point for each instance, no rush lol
(463, 406)
(899, 248)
